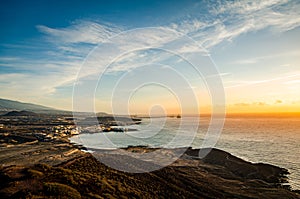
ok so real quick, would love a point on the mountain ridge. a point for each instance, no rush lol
(7, 105)
(20, 113)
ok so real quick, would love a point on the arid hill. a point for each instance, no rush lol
(218, 175)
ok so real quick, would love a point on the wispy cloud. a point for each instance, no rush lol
(251, 104)
(245, 7)
(229, 19)
(280, 78)
(297, 81)
(80, 32)
(69, 46)
(254, 60)
(8, 59)
(226, 21)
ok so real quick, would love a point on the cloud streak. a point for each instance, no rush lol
(232, 18)
(225, 21)
(280, 78)
(80, 32)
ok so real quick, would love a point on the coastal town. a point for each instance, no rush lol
(24, 126)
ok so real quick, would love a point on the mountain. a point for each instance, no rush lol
(10, 105)
(20, 113)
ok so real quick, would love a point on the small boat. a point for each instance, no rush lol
(178, 116)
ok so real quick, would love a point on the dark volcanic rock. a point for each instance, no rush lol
(241, 168)
(218, 175)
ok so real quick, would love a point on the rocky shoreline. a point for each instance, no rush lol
(75, 174)
(37, 160)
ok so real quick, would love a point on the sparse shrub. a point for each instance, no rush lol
(34, 173)
(42, 167)
(93, 195)
(61, 190)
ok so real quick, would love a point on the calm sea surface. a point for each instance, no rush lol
(270, 140)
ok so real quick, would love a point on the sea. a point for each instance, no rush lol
(272, 140)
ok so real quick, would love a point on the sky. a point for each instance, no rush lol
(51, 49)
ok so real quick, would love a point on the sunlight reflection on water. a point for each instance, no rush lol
(269, 140)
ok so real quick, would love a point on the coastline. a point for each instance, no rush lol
(38, 160)
(71, 173)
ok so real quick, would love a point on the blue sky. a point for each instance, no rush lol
(254, 44)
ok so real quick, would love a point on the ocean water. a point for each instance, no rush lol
(269, 140)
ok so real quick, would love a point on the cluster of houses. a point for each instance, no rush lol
(56, 132)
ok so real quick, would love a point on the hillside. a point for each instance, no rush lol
(10, 105)
(20, 113)
(218, 175)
